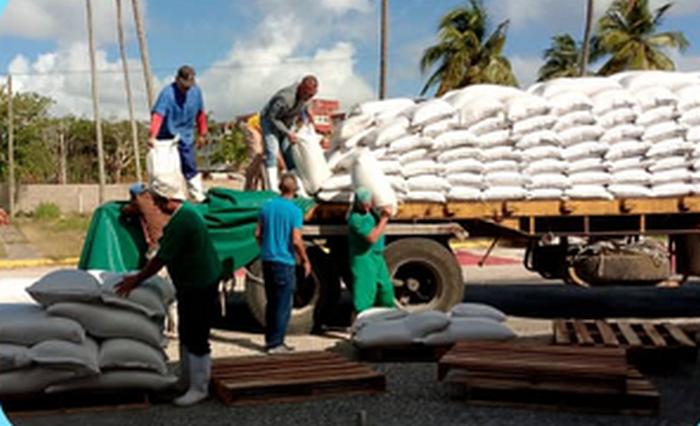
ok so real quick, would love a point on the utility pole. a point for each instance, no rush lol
(62, 174)
(11, 146)
(129, 95)
(145, 57)
(587, 39)
(96, 103)
(384, 46)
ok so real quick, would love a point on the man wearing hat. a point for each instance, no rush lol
(277, 119)
(179, 107)
(372, 284)
(187, 251)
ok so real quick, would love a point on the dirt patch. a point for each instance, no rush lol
(56, 238)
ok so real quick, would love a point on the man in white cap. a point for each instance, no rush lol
(186, 249)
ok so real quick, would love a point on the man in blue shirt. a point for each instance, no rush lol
(279, 235)
(178, 108)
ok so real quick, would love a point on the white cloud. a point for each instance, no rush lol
(279, 52)
(72, 91)
(290, 41)
(525, 69)
(63, 21)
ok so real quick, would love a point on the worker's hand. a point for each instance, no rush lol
(307, 268)
(293, 138)
(201, 141)
(385, 212)
(152, 142)
(127, 285)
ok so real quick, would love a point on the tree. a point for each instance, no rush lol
(127, 84)
(628, 33)
(562, 58)
(464, 55)
(145, 58)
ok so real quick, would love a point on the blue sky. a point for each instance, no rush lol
(244, 50)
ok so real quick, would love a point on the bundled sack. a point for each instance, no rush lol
(310, 160)
(367, 173)
(116, 380)
(151, 298)
(477, 310)
(66, 285)
(122, 354)
(397, 329)
(27, 324)
(78, 357)
(32, 380)
(464, 329)
(13, 357)
(163, 163)
(105, 322)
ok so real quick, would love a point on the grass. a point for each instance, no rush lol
(55, 238)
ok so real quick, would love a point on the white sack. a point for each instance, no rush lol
(669, 163)
(427, 183)
(584, 150)
(455, 139)
(355, 140)
(574, 119)
(533, 124)
(423, 167)
(341, 160)
(548, 181)
(65, 285)
(565, 103)
(504, 179)
(489, 125)
(630, 191)
(131, 354)
(610, 100)
(505, 193)
(478, 110)
(459, 154)
(425, 196)
(580, 134)
(397, 183)
(470, 329)
(693, 134)
(631, 177)
(500, 153)
(535, 139)
(117, 380)
(442, 126)
(617, 117)
(542, 152)
(432, 111)
(670, 147)
(522, 107)
(390, 167)
(626, 149)
(634, 162)
(309, 160)
(352, 126)
(588, 192)
(466, 165)
(473, 180)
(413, 156)
(589, 178)
(689, 98)
(655, 97)
(621, 133)
(105, 322)
(25, 324)
(464, 193)
(672, 190)
(500, 166)
(671, 176)
(586, 165)
(656, 116)
(163, 163)
(378, 107)
(494, 139)
(335, 196)
(387, 134)
(409, 143)
(691, 118)
(366, 172)
(337, 183)
(545, 194)
(547, 165)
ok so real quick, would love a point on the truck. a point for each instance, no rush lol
(426, 272)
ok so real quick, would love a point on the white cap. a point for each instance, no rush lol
(168, 189)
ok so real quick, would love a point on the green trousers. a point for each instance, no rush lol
(371, 282)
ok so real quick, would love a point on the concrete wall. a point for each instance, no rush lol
(76, 198)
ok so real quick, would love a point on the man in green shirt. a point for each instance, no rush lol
(371, 281)
(188, 253)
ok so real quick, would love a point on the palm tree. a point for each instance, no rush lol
(145, 57)
(562, 58)
(464, 55)
(127, 84)
(628, 33)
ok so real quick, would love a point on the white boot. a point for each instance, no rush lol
(272, 179)
(196, 188)
(200, 372)
(185, 368)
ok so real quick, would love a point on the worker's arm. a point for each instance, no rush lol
(378, 230)
(276, 109)
(156, 123)
(132, 281)
(300, 249)
(201, 129)
(258, 233)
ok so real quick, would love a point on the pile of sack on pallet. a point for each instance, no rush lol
(635, 134)
(80, 335)
(384, 327)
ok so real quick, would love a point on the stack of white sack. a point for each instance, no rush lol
(587, 138)
(580, 134)
(82, 336)
(689, 110)
(383, 327)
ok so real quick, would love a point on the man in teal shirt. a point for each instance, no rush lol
(279, 236)
(188, 253)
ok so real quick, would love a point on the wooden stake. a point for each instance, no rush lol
(11, 146)
(96, 103)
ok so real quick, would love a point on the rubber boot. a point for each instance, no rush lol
(185, 368)
(272, 179)
(200, 372)
(195, 187)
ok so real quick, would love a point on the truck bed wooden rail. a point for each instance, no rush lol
(678, 215)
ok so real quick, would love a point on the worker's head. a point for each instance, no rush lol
(363, 199)
(185, 78)
(307, 88)
(288, 185)
(167, 196)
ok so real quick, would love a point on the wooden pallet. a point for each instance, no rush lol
(645, 342)
(409, 353)
(553, 377)
(292, 378)
(74, 403)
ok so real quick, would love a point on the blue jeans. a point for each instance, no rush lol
(188, 159)
(280, 280)
(273, 144)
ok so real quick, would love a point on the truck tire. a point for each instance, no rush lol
(425, 273)
(307, 297)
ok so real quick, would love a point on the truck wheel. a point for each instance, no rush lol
(307, 295)
(426, 275)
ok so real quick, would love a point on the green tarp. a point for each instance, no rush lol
(116, 243)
